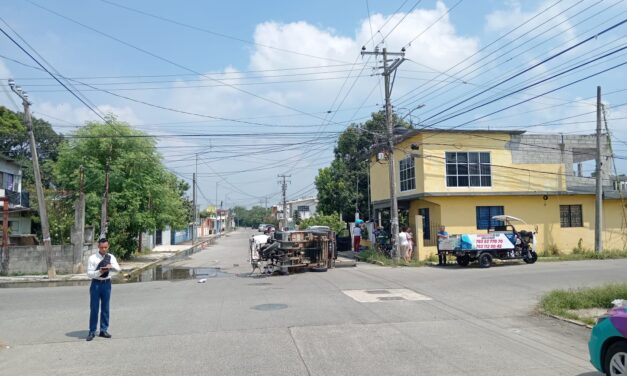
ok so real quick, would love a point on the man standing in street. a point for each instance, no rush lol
(98, 267)
(442, 234)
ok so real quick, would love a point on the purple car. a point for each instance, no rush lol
(608, 342)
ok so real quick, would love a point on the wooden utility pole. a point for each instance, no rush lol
(43, 213)
(387, 71)
(283, 183)
(598, 207)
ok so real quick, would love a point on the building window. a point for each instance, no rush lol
(408, 174)
(485, 214)
(468, 169)
(303, 208)
(571, 216)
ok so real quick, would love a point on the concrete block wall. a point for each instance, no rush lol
(32, 259)
(561, 149)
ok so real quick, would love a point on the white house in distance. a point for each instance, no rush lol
(11, 187)
(306, 208)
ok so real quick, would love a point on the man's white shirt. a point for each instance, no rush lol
(92, 265)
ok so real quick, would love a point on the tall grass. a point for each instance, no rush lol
(563, 302)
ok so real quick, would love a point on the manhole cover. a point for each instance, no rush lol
(392, 298)
(269, 307)
(378, 292)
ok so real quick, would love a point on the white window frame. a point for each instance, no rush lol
(407, 174)
(468, 174)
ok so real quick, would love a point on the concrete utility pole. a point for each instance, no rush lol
(43, 213)
(387, 71)
(104, 215)
(194, 208)
(78, 230)
(598, 207)
(284, 189)
(4, 262)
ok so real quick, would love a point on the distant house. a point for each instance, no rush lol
(11, 187)
(462, 178)
(306, 207)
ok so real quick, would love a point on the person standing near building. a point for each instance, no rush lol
(99, 267)
(410, 245)
(403, 243)
(356, 237)
(442, 234)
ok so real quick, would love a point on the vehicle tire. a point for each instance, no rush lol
(485, 260)
(532, 259)
(463, 260)
(615, 357)
(318, 269)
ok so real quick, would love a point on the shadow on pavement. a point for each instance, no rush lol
(80, 334)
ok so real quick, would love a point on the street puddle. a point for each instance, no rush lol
(166, 273)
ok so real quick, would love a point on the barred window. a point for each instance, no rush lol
(408, 174)
(303, 208)
(485, 214)
(571, 216)
(468, 169)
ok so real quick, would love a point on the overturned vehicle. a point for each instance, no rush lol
(312, 249)
(501, 242)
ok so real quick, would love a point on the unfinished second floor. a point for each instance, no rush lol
(483, 162)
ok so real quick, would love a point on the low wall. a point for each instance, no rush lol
(32, 259)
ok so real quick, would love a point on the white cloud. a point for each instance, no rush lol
(550, 19)
(65, 113)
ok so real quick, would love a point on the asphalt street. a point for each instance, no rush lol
(366, 320)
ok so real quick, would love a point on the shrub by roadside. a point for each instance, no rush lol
(582, 304)
(375, 257)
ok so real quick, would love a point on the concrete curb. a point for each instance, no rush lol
(558, 317)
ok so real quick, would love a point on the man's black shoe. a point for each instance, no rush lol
(90, 336)
(104, 335)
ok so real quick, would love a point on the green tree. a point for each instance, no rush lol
(332, 220)
(345, 181)
(143, 195)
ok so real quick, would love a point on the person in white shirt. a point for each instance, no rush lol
(356, 237)
(403, 243)
(99, 266)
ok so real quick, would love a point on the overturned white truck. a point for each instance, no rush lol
(501, 242)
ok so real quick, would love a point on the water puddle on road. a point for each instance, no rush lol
(166, 273)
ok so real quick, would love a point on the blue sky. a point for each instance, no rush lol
(279, 66)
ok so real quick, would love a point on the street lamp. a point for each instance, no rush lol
(409, 111)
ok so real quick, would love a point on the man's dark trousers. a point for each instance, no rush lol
(99, 296)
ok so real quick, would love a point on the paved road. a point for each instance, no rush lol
(477, 322)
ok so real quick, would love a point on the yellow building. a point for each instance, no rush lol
(462, 178)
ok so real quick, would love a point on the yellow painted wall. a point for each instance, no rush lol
(431, 174)
(459, 216)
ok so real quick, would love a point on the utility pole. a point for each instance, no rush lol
(598, 212)
(217, 217)
(4, 262)
(43, 213)
(387, 71)
(194, 208)
(104, 215)
(78, 230)
(284, 189)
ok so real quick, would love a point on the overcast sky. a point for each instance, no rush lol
(244, 91)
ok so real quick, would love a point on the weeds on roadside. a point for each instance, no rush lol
(374, 257)
(563, 302)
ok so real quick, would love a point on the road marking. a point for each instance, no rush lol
(382, 295)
